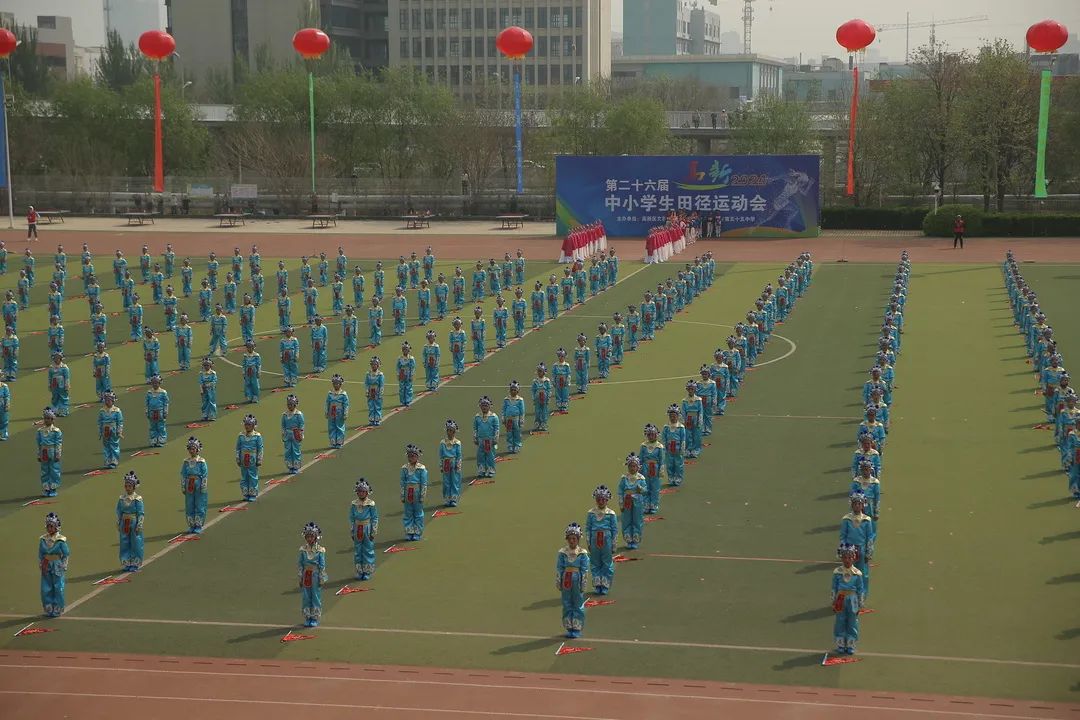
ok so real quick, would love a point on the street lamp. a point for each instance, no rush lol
(184, 87)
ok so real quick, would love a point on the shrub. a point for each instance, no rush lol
(1011, 224)
(862, 218)
(940, 223)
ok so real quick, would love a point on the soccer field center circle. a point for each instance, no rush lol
(792, 347)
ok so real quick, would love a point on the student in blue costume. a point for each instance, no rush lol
(457, 347)
(341, 262)
(171, 305)
(414, 271)
(494, 285)
(406, 369)
(594, 276)
(144, 264)
(648, 317)
(379, 279)
(50, 451)
(364, 521)
(580, 279)
(208, 380)
(500, 317)
(612, 267)
(206, 300)
(400, 307)
(485, 438)
(423, 303)
(289, 352)
(604, 345)
(873, 427)
(99, 324)
(292, 434)
(187, 274)
(560, 375)
(305, 273)
(319, 334)
(229, 290)
(507, 271)
(651, 456)
(53, 554)
(237, 266)
(519, 268)
(56, 335)
(375, 318)
(478, 326)
(692, 412)
(479, 280)
(442, 297)
(336, 411)
(311, 574)
(414, 485)
(324, 270)
(9, 346)
(633, 491)
(219, 332)
(151, 353)
(183, 340)
(311, 301)
(157, 412)
(358, 283)
(551, 295)
(513, 415)
(618, 338)
(633, 327)
(857, 528)
(602, 532)
(706, 389)
(374, 382)
(249, 458)
(284, 308)
(431, 356)
(571, 578)
(541, 394)
(428, 262)
(10, 310)
(518, 308)
(129, 522)
(581, 364)
(848, 598)
(864, 482)
(55, 301)
(251, 368)
(1049, 378)
(458, 288)
(247, 319)
(866, 451)
(566, 285)
(110, 429)
(59, 382)
(450, 456)
(350, 327)
(673, 437)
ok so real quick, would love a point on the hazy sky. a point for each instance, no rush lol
(784, 28)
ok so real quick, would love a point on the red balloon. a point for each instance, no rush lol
(7, 42)
(855, 35)
(514, 42)
(157, 44)
(311, 43)
(1047, 36)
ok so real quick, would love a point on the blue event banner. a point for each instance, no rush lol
(767, 196)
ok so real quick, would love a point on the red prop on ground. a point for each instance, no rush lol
(293, 637)
(346, 590)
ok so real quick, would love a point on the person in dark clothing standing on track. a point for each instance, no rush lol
(958, 228)
(31, 223)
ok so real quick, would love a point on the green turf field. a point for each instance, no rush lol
(976, 545)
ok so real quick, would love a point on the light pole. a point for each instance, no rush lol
(184, 87)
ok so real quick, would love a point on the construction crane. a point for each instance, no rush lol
(907, 25)
(747, 24)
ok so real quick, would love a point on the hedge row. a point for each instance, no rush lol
(940, 224)
(863, 218)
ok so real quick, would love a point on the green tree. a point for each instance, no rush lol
(576, 117)
(120, 66)
(773, 127)
(941, 78)
(28, 69)
(636, 126)
(998, 110)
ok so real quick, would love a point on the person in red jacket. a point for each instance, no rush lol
(31, 223)
(958, 228)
